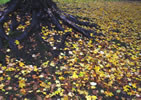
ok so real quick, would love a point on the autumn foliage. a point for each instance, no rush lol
(100, 68)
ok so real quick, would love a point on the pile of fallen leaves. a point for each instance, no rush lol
(100, 68)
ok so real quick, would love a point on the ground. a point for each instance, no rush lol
(106, 68)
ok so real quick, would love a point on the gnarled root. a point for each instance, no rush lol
(41, 12)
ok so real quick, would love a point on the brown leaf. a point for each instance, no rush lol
(38, 97)
(1, 98)
(35, 86)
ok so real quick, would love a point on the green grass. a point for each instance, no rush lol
(3, 1)
(69, 1)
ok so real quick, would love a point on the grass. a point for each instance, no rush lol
(72, 1)
(3, 1)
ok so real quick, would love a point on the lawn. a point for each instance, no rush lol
(3, 1)
(104, 68)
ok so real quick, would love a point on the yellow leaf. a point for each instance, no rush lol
(126, 88)
(94, 97)
(73, 89)
(108, 65)
(52, 64)
(70, 30)
(21, 64)
(96, 51)
(93, 87)
(43, 37)
(108, 93)
(9, 78)
(97, 68)
(74, 45)
(134, 85)
(91, 34)
(22, 83)
(35, 68)
(17, 42)
(88, 98)
(44, 85)
(76, 36)
(66, 31)
(45, 64)
(65, 98)
(1, 86)
(1, 78)
(61, 78)
(51, 39)
(74, 75)
(130, 93)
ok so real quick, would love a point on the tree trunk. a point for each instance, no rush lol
(40, 12)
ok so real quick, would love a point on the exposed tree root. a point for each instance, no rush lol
(42, 12)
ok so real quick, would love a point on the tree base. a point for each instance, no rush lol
(39, 13)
